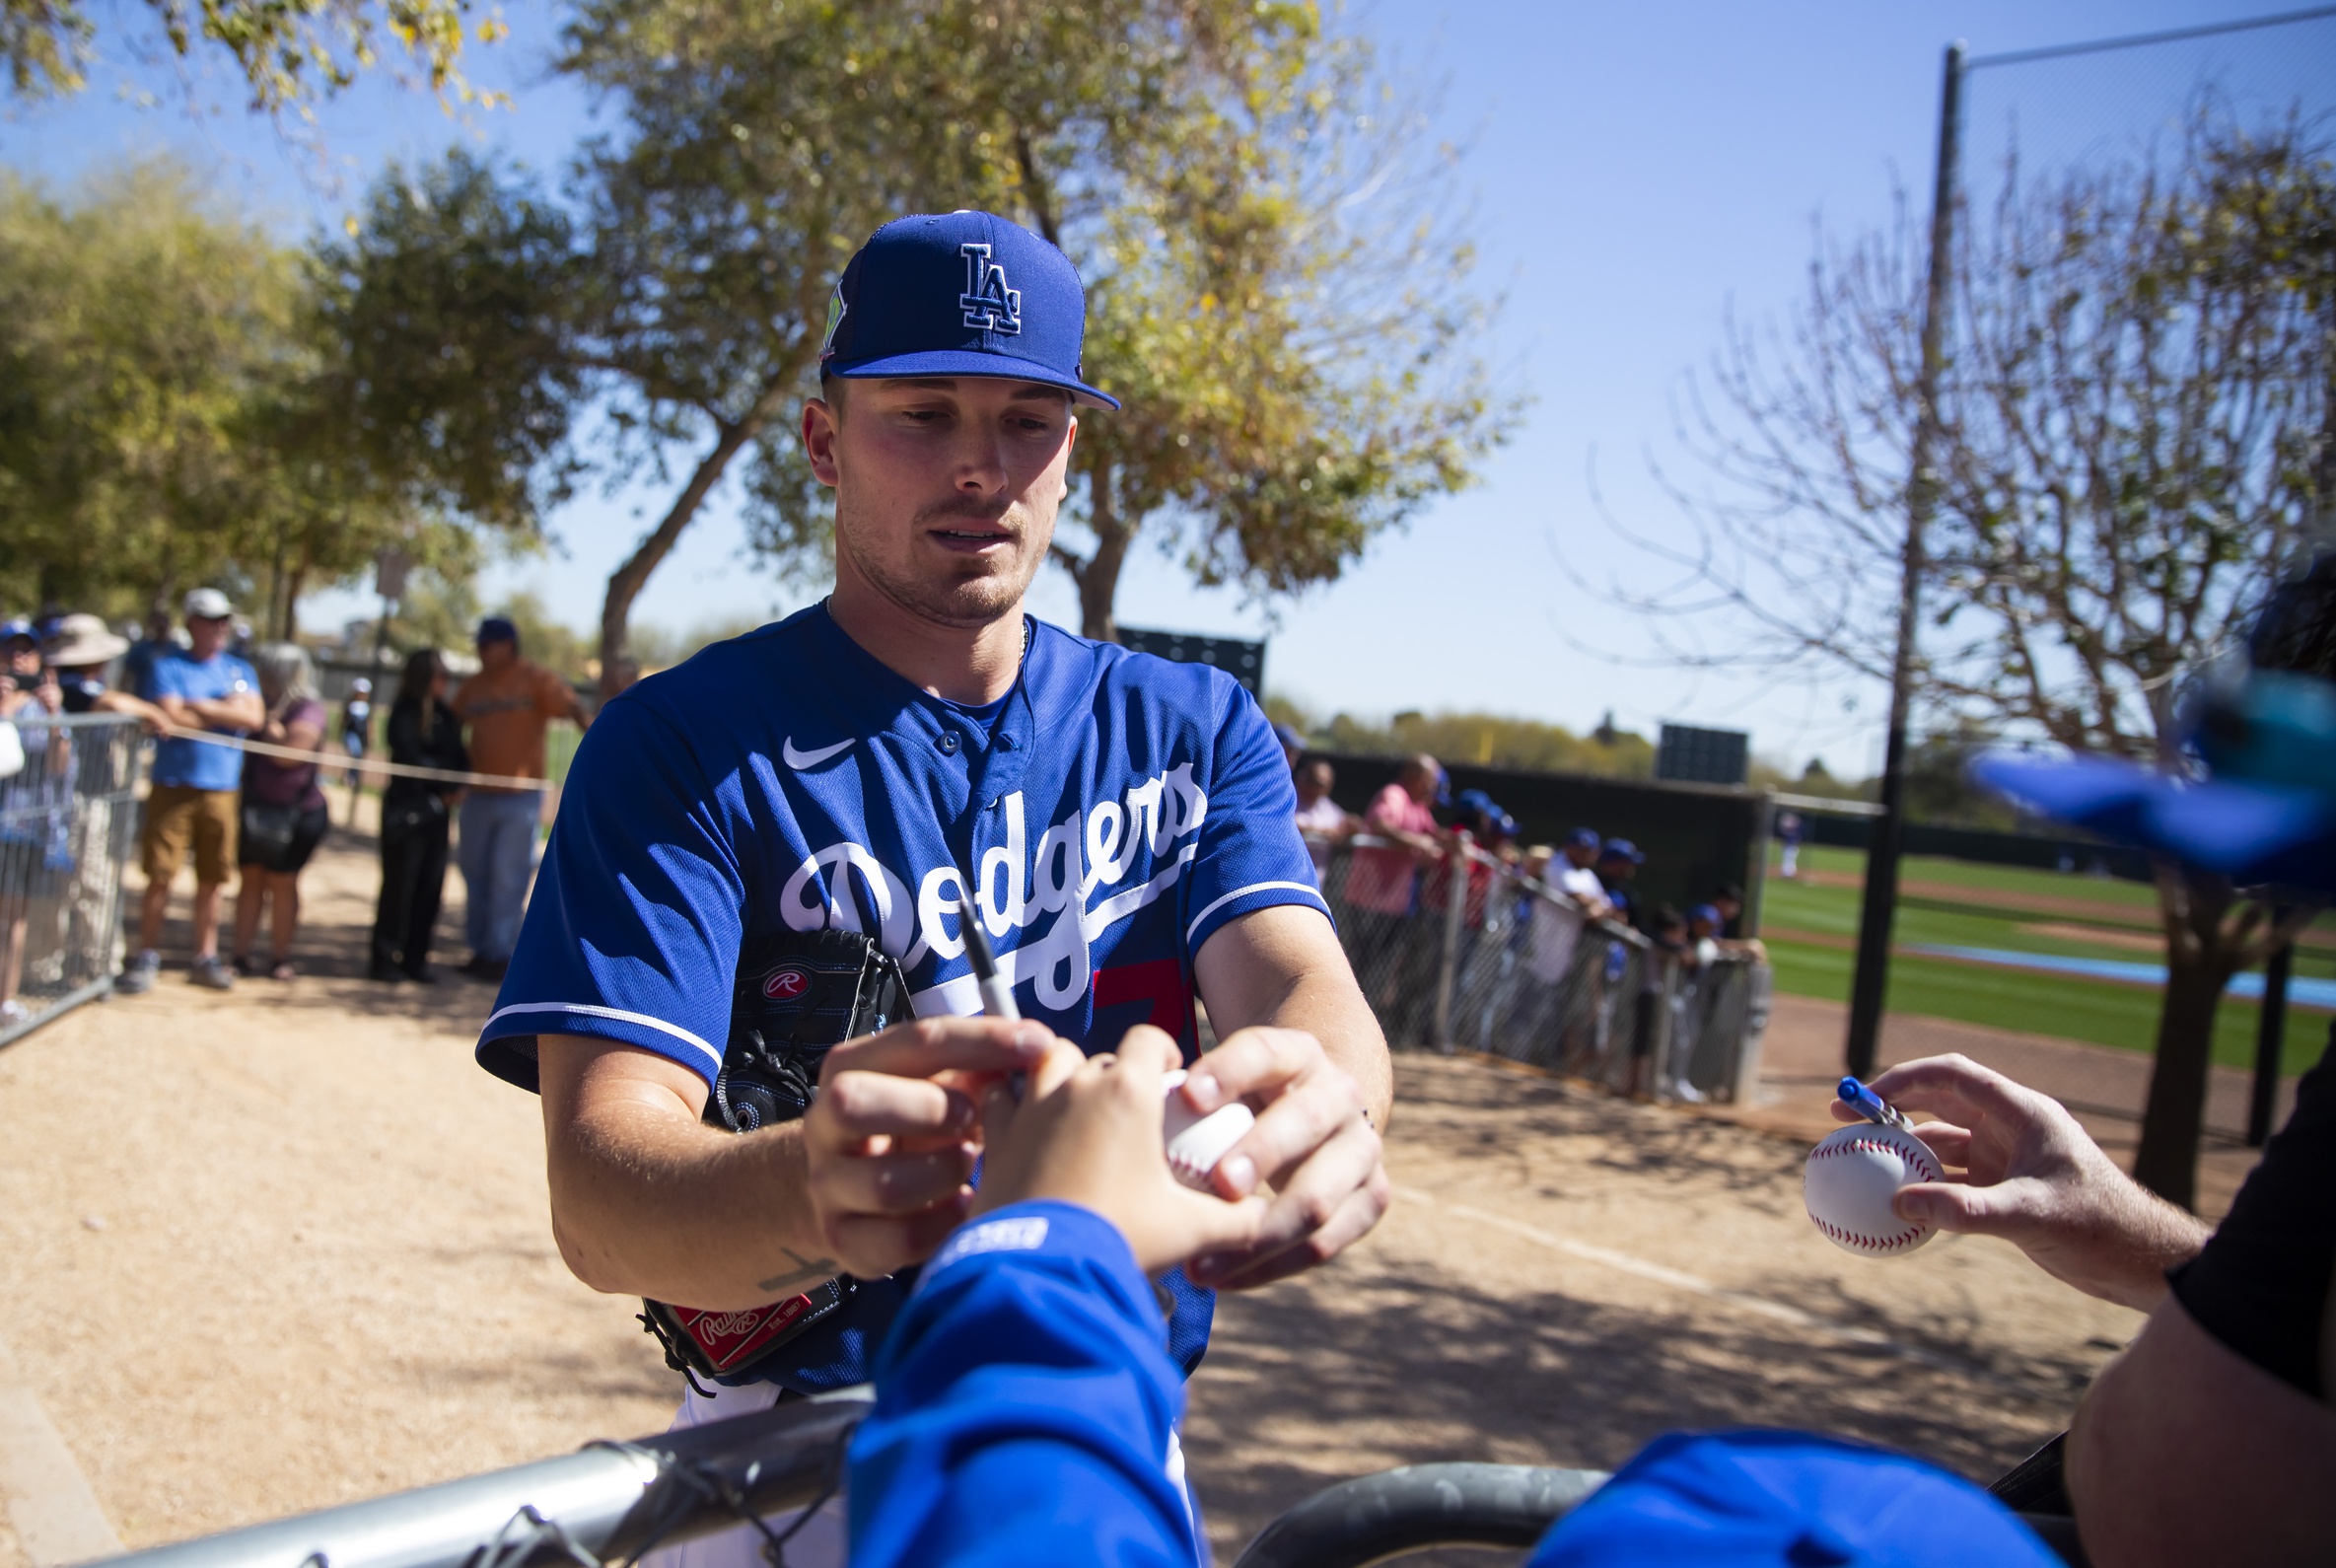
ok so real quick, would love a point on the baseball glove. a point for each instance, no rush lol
(797, 995)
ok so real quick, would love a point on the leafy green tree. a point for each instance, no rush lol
(164, 412)
(289, 52)
(1274, 287)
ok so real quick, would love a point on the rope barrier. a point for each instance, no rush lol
(499, 781)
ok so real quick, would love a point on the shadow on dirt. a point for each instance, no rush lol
(1357, 1370)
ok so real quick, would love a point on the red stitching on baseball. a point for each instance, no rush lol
(1917, 1157)
(1882, 1146)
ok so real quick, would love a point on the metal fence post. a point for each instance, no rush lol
(1666, 1018)
(1456, 911)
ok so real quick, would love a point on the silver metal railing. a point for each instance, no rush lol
(1467, 952)
(68, 821)
(606, 1504)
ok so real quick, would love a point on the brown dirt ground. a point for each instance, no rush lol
(276, 1250)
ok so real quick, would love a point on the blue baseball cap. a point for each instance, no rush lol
(1288, 734)
(2266, 814)
(1721, 1499)
(960, 294)
(1708, 913)
(17, 626)
(1584, 838)
(1621, 849)
(496, 628)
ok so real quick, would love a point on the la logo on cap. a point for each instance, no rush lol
(987, 302)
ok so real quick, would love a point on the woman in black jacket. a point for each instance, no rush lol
(415, 816)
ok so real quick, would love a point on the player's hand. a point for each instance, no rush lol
(890, 1138)
(2021, 1167)
(1312, 1144)
(1088, 1131)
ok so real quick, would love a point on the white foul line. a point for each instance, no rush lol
(49, 1502)
(1696, 1284)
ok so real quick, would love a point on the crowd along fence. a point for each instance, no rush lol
(68, 821)
(1462, 951)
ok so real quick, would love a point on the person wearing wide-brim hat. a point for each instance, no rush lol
(78, 651)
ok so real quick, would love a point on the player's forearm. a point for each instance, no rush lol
(1331, 1009)
(645, 1202)
(1282, 966)
(1326, 1005)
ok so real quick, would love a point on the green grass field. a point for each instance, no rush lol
(2100, 1012)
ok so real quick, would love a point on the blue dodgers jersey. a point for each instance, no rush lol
(1114, 814)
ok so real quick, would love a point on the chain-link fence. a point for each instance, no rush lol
(68, 817)
(1466, 953)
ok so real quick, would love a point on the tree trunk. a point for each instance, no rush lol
(2199, 963)
(292, 591)
(1099, 576)
(627, 581)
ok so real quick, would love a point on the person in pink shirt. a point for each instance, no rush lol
(1382, 894)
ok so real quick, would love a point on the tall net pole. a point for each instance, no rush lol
(1880, 908)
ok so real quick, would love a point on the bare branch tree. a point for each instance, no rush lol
(2135, 430)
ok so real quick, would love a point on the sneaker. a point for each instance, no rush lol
(13, 1013)
(212, 974)
(138, 975)
(1686, 1094)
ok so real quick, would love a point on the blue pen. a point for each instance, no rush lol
(1865, 1102)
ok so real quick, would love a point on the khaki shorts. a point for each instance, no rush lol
(177, 814)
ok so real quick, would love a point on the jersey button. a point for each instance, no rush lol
(947, 742)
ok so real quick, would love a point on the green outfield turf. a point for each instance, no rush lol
(2103, 920)
(2119, 899)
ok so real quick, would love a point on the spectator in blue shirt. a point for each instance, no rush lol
(193, 802)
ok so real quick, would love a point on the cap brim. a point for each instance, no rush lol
(2255, 834)
(972, 361)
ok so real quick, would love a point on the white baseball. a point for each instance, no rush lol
(1850, 1181)
(1195, 1143)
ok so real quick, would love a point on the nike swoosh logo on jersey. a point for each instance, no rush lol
(803, 760)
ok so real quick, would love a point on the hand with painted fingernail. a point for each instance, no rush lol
(893, 1136)
(1088, 1131)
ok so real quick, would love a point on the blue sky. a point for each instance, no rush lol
(1636, 168)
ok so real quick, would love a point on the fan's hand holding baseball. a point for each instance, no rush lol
(1088, 1131)
(1313, 1143)
(2021, 1167)
(891, 1139)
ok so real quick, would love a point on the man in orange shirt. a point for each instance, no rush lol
(506, 706)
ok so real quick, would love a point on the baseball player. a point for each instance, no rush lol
(764, 851)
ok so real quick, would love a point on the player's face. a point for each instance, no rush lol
(946, 489)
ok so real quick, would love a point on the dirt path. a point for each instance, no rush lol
(1527, 1302)
(284, 1247)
